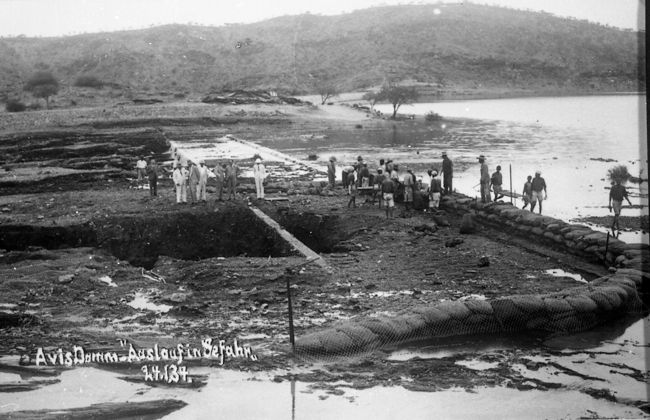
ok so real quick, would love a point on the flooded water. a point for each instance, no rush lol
(573, 141)
(611, 358)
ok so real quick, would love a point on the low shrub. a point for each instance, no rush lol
(89, 81)
(432, 116)
(14, 105)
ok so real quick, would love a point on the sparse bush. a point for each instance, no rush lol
(43, 85)
(14, 105)
(618, 173)
(432, 116)
(89, 81)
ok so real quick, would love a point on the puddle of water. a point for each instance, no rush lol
(384, 293)
(473, 297)
(79, 387)
(107, 280)
(243, 396)
(476, 364)
(9, 377)
(142, 302)
(249, 337)
(556, 272)
(452, 346)
(614, 355)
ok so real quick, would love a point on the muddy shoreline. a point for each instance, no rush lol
(79, 248)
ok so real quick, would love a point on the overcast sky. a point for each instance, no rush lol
(66, 17)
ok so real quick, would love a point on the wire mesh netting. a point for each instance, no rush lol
(571, 310)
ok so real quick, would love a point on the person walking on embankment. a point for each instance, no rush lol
(203, 181)
(259, 173)
(447, 173)
(616, 196)
(485, 180)
(497, 181)
(538, 186)
(193, 182)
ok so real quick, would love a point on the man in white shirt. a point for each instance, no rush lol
(180, 175)
(259, 172)
(141, 170)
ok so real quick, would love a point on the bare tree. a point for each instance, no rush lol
(397, 95)
(326, 89)
(371, 98)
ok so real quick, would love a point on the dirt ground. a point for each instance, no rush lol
(79, 247)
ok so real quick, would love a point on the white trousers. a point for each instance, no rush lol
(259, 187)
(181, 193)
(200, 191)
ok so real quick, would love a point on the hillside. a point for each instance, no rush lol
(464, 46)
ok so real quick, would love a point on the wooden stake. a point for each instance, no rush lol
(510, 165)
(291, 336)
(606, 248)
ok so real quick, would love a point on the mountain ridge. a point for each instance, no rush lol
(464, 46)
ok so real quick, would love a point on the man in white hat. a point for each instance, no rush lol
(485, 180)
(179, 175)
(259, 172)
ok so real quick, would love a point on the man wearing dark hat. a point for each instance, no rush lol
(497, 183)
(447, 173)
(485, 180)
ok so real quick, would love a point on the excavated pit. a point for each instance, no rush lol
(140, 240)
(323, 233)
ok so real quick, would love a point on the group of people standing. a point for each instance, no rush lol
(190, 180)
(193, 179)
(387, 183)
(534, 191)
